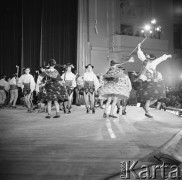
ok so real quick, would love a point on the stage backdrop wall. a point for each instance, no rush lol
(34, 31)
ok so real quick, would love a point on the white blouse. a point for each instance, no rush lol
(27, 78)
(69, 76)
(90, 76)
(5, 84)
(151, 64)
(13, 81)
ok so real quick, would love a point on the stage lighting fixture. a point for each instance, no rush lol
(153, 21)
(158, 28)
(147, 27)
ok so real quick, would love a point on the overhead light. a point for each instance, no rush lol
(153, 21)
(158, 28)
(147, 27)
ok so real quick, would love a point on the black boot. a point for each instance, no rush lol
(57, 115)
(123, 112)
(93, 111)
(48, 116)
(64, 110)
(148, 115)
(69, 111)
(88, 109)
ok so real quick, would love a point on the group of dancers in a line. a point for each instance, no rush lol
(113, 87)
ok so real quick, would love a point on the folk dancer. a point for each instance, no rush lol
(69, 80)
(13, 83)
(79, 90)
(124, 102)
(91, 84)
(153, 87)
(115, 88)
(4, 87)
(101, 82)
(54, 89)
(27, 83)
(40, 91)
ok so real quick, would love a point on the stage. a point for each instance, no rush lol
(78, 146)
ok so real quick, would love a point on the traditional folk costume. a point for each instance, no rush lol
(69, 80)
(101, 82)
(124, 101)
(152, 82)
(79, 91)
(13, 83)
(117, 86)
(116, 83)
(54, 90)
(27, 83)
(152, 87)
(40, 91)
(91, 84)
(4, 87)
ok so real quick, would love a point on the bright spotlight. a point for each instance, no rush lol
(153, 21)
(158, 28)
(147, 27)
(142, 31)
(150, 32)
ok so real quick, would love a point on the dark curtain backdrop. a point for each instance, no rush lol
(34, 31)
(10, 36)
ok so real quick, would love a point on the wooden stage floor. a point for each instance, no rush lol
(78, 146)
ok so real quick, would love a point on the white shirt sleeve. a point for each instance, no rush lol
(160, 59)
(74, 81)
(39, 80)
(96, 82)
(20, 81)
(32, 83)
(129, 83)
(6, 86)
(141, 55)
(62, 76)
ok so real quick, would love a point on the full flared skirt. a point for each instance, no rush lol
(54, 91)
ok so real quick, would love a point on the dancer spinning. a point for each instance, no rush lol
(91, 84)
(70, 82)
(115, 87)
(152, 87)
(124, 101)
(27, 83)
(54, 90)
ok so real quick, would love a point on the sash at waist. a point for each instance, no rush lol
(89, 84)
(26, 85)
(2, 88)
(13, 87)
(68, 82)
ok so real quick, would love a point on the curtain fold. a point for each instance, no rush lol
(34, 31)
(10, 37)
(60, 31)
(83, 44)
